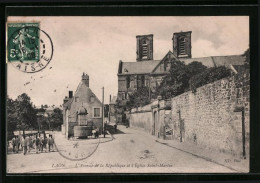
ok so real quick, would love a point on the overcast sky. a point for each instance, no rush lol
(95, 45)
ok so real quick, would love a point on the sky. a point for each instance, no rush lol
(95, 45)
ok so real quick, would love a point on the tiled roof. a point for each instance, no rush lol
(217, 60)
(143, 67)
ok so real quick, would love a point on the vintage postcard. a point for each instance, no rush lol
(130, 94)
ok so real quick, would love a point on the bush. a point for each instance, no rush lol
(208, 76)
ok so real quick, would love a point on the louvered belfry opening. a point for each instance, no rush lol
(182, 44)
(144, 48)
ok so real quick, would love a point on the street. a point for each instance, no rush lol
(129, 151)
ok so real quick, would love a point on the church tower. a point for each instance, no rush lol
(144, 49)
(182, 44)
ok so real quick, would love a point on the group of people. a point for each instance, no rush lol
(29, 142)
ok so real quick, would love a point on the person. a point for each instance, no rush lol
(105, 127)
(24, 145)
(96, 133)
(44, 143)
(13, 143)
(50, 143)
(37, 144)
(30, 145)
(41, 143)
(17, 143)
(27, 143)
(115, 126)
(19, 139)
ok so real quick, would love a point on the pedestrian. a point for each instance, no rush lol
(17, 142)
(115, 127)
(45, 141)
(27, 143)
(41, 143)
(37, 144)
(24, 145)
(51, 143)
(14, 143)
(19, 138)
(30, 143)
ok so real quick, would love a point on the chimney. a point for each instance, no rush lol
(109, 98)
(85, 79)
(70, 94)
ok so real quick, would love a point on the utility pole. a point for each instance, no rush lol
(103, 110)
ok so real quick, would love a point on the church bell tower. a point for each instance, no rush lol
(144, 49)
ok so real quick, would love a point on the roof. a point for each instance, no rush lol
(142, 67)
(68, 103)
(217, 60)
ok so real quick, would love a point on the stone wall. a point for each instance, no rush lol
(141, 117)
(207, 117)
(210, 118)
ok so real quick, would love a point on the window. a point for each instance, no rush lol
(97, 113)
(128, 82)
(76, 99)
(144, 48)
(142, 81)
(181, 47)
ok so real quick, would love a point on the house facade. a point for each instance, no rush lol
(81, 109)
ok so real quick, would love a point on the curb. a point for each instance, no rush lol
(203, 157)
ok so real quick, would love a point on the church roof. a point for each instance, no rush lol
(147, 67)
(143, 67)
(217, 60)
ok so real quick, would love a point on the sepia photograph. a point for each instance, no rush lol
(127, 94)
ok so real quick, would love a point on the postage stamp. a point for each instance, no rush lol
(29, 48)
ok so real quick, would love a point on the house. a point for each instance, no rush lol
(82, 109)
(147, 72)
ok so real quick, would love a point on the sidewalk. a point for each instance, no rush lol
(229, 161)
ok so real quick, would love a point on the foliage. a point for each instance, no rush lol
(55, 119)
(208, 76)
(177, 81)
(11, 114)
(247, 55)
(138, 98)
(20, 113)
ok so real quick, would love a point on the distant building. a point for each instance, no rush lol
(147, 72)
(112, 109)
(84, 108)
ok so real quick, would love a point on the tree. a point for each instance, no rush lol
(177, 81)
(138, 98)
(25, 113)
(246, 54)
(11, 114)
(55, 119)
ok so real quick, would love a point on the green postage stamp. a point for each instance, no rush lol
(29, 49)
(23, 42)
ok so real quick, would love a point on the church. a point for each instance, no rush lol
(149, 72)
(81, 112)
